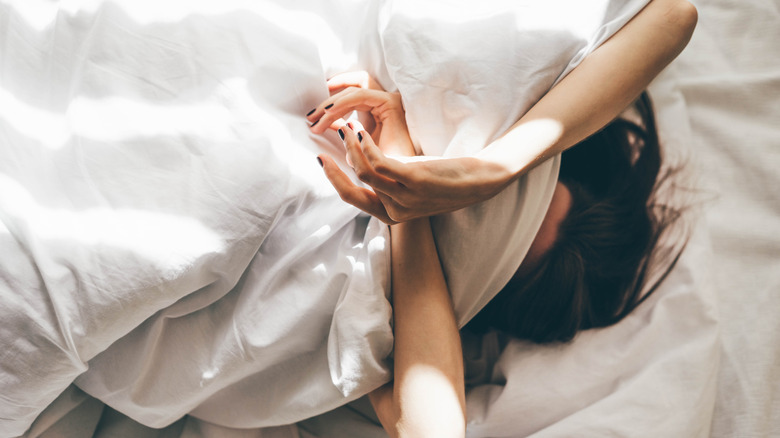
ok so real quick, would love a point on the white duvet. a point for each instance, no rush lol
(167, 239)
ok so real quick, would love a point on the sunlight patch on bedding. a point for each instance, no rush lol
(577, 18)
(154, 236)
(162, 239)
(322, 231)
(229, 111)
(38, 14)
(118, 118)
(48, 128)
(357, 266)
(309, 25)
(377, 244)
(150, 11)
(208, 375)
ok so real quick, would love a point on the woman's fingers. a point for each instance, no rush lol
(355, 144)
(390, 201)
(389, 168)
(339, 123)
(360, 79)
(359, 197)
(341, 81)
(343, 103)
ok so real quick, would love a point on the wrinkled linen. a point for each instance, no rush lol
(659, 371)
(167, 236)
(720, 91)
(653, 374)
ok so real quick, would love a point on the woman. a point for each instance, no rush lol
(586, 268)
(201, 382)
(589, 290)
(594, 93)
(418, 188)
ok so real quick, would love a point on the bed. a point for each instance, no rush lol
(698, 359)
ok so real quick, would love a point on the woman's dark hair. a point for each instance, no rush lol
(595, 272)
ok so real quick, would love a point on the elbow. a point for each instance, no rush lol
(682, 16)
(673, 23)
(687, 16)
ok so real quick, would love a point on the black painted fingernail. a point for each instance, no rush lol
(319, 160)
(329, 106)
(341, 134)
(311, 112)
(360, 136)
(312, 125)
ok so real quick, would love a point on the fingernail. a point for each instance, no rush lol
(311, 112)
(312, 125)
(319, 160)
(360, 136)
(351, 126)
(341, 134)
(329, 106)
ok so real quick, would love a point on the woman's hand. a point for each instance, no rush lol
(357, 91)
(581, 104)
(404, 189)
(407, 190)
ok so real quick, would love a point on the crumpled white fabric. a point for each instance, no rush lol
(164, 220)
(467, 71)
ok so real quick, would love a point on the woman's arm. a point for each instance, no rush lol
(599, 89)
(594, 93)
(426, 397)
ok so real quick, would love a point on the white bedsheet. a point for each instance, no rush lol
(717, 104)
(166, 233)
(726, 85)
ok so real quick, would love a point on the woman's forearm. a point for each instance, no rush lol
(599, 89)
(588, 98)
(426, 397)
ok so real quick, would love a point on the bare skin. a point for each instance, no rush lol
(427, 396)
(581, 104)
